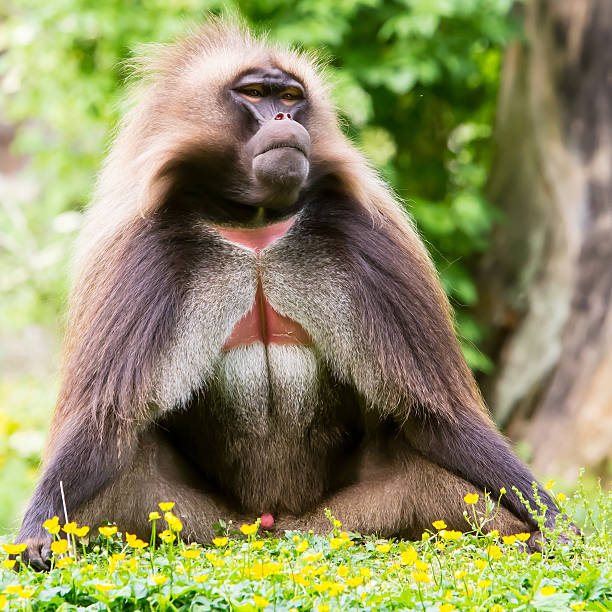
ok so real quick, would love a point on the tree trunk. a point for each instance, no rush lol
(547, 281)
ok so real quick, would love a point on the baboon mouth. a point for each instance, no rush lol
(285, 145)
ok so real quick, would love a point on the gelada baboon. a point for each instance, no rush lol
(255, 326)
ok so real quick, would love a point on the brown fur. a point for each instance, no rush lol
(380, 420)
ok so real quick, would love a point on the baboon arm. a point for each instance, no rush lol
(409, 366)
(83, 461)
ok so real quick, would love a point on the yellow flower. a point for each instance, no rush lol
(323, 608)
(561, 497)
(260, 602)
(509, 540)
(319, 571)
(52, 525)
(11, 589)
(14, 549)
(59, 547)
(201, 578)
(190, 553)
(81, 531)
(421, 577)
(258, 544)
(302, 546)
(503, 490)
(167, 536)
(9, 563)
(441, 546)
(523, 537)
(494, 533)
(296, 539)
(494, 552)
(155, 516)
(364, 571)
(166, 506)
(446, 607)
(336, 543)
(107, 531)
(300, 579)
(249, 529)
(343, 571)
(262, 570)
(173, 521)
(158, 579)
(549, 589)
(573, 606)
(550, 483)
(459, 574)
(311, 557)
(26, 593)
(104, 586)
(471, 498)
(484, 584)
(70, 527)
(64, 562)
(408, 556)
(450, 534)
(336, 588)
(115, 558)
(3, 601)
(354, 581)
(134, 541)
(383, 548)
(344, 536)
(322, 586)
(480, 564)
(337, 524)
(421, 565)
(210, 556)
(439, 525)
(220, 542)
(132, 563)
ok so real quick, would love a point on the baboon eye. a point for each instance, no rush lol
(252, 91)
(291, 96)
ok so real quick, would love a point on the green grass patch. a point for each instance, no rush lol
(245, 571)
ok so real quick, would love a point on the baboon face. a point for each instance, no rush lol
(274, 144)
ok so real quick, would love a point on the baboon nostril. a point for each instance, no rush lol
(279, 116)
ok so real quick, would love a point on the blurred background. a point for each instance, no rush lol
(492, 119)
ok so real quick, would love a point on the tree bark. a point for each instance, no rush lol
(547, 281)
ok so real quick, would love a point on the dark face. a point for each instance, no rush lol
(276, 151)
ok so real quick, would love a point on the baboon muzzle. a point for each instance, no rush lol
(280, 151)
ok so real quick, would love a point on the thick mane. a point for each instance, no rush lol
(202, 64)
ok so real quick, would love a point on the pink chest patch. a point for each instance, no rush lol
(262, 323)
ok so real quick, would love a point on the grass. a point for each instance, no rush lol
(243, 571)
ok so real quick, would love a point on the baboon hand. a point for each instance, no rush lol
(38, 552)
(566, 538)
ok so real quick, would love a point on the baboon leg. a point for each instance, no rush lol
(402, 497)
(158, 474)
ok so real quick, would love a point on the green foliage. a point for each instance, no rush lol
(242, 571)
(416, 86)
